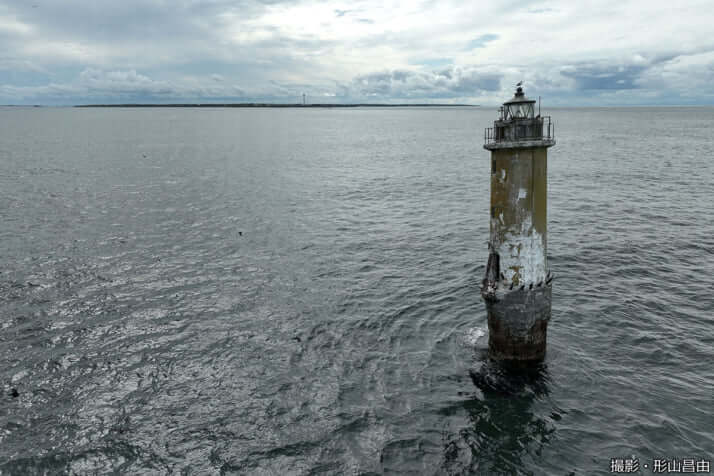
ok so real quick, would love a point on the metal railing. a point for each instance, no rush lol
(539, 128)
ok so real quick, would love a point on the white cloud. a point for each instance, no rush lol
(10, 25)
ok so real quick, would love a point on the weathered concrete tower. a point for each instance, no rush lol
(517, 286)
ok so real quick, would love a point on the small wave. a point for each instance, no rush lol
(474, 336)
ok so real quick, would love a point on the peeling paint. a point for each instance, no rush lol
(522, 254)
(518, 225)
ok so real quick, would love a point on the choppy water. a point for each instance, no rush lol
(226, 291)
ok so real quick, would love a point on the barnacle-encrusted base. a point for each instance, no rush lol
(518, 322)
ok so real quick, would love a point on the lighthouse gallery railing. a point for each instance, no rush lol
(539, 128)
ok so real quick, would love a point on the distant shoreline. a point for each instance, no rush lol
(255, 104)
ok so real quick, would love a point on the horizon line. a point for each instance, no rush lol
(332, 105)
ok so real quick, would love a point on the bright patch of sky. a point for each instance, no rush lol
(610, 52)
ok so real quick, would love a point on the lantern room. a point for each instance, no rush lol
(519, 126)
(519, 107)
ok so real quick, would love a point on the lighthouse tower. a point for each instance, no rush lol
(517, 286)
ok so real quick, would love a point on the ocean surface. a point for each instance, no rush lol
(296, 291)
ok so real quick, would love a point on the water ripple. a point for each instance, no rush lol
(260, 292)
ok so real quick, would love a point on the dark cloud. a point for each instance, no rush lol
(129, 33)
(130, 17)
(613, 74)
(602, 77)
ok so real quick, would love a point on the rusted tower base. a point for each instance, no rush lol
(518, 323)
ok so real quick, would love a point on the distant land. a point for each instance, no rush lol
(258, 104)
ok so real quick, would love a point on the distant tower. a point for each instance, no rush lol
(303, 99)
(517, 286)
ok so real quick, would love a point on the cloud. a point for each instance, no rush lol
(593, 76)
(121, 83)
(451, 82)
(387, 50)
(481, 41)
(683, 79)
(540, 10)
(12, 26)
(97, 86)
(20, 66)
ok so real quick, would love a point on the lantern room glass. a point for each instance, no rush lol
(521, 110)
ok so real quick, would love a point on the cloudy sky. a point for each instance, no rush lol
(572, 53)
